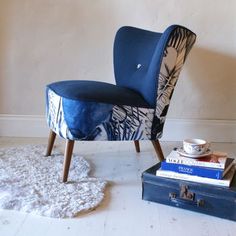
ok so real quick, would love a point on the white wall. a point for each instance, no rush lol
(42, 41)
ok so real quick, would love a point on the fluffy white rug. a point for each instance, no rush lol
(30, 182)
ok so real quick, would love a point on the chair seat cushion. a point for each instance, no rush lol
(94, 91)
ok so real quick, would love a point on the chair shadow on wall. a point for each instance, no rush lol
(212, 75)
(213, 68)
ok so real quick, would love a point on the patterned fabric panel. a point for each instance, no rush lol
(55, 115)
(176, 51)
(129, 123)
(78, 120)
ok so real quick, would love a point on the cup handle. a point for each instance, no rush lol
(208, 145)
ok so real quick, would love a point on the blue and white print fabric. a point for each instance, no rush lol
(100, 122)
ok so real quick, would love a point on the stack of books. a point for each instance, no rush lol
(216, 168)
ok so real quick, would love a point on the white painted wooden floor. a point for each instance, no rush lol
(122, 212)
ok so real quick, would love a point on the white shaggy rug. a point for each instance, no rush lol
(31, 182)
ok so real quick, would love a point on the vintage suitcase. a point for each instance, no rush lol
(204, 198)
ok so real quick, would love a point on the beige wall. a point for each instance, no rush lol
(42, 41)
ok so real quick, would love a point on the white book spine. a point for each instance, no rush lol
(192, 178)
(192, 162)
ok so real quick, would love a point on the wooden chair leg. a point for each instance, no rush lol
(51, 140)
(67, 159)
(137, 147)
(158, 149)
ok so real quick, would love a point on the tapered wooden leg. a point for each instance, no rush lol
(158, 149)
(51, 140)
(137, 147)
(67, 159)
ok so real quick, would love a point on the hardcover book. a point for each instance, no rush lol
(198, 170)
(214, 160)
(225, 182)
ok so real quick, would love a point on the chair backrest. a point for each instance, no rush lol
(150, 63)
(140, 54)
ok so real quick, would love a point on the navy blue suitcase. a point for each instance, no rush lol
(203, 198)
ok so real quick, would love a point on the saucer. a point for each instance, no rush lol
(183, 153)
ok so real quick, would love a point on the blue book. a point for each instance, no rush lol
(213, 173)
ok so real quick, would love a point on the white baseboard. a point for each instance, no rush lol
(175, 129)
(23, 126)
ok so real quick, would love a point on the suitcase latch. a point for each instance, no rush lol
(185, 193)
(185, 197)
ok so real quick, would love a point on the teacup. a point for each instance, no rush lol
(195, 146)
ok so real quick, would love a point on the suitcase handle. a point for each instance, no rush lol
(190, 201)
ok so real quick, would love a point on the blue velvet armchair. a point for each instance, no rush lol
(146, 67)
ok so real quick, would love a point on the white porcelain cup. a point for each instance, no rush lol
(195, 146)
